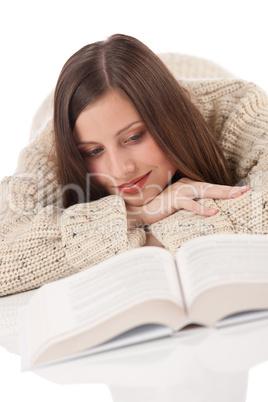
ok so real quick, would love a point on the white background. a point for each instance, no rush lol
(37, 37)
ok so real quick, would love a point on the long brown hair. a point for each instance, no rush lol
(131, 68)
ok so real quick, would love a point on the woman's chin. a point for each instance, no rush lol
(138, 202)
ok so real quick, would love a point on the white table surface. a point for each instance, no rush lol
(206, 364)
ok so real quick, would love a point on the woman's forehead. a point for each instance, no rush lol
(110, 115)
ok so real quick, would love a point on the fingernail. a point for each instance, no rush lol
(212, 211)
(245, 188)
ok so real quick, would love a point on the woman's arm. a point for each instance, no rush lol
(40, 241)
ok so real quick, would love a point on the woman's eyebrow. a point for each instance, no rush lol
(118, 133)
(127, 127)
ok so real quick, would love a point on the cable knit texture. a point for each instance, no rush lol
(42, 242)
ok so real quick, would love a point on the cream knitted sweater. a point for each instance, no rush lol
(42, 242)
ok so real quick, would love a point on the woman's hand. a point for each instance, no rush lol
(181, 195)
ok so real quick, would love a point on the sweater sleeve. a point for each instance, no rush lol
(238, 114)
(40, 241)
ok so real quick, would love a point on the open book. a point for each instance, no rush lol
(211, 278)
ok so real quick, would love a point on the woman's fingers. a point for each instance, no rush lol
(222, 192)
(185, 192)
(192, 189)
(193, 206)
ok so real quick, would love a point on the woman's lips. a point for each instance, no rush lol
(134, 185)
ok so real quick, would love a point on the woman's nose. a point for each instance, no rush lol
(121, 164)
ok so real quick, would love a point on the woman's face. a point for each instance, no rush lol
(120, 152)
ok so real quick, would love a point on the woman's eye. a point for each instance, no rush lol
(136, 137)
(94, 152)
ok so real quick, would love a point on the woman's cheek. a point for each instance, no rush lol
(144, 152)
(95, 170)
(92, 165)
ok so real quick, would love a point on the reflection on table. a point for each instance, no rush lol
(201, 364)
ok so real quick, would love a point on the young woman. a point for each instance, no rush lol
(132, 157)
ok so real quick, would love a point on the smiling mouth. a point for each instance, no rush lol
(134, 185)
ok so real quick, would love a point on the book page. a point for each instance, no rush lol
(89, 298)
(215, 260)
(131, 278)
